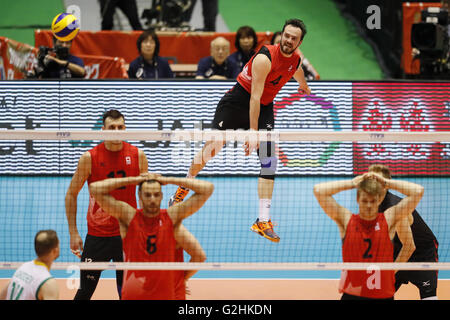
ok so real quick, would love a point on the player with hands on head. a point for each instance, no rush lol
(149, 233)
(367, 236)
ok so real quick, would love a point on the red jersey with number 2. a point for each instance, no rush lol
(368, 241)
(149, 240)
(111, 164)
(281, 71)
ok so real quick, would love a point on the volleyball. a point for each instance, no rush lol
(65, 26)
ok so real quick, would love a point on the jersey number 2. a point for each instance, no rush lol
(367, 254)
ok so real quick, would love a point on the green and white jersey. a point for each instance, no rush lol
(27, 281)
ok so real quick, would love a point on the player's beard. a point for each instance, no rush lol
(286, 49)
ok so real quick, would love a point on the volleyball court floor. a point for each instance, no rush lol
(28, 204)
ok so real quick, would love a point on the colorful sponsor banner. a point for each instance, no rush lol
(402, 106)
(176, 105)
(328, 108)
(186, 105)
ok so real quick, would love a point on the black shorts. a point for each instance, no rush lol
(99, 249)
(346, 296)
(425, 280)
(232, 112)
(102, 249)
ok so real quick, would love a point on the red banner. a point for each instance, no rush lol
(98, 67)
(16, 59)
(402, 107)
(186, 47)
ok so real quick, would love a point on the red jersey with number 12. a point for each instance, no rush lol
(368, 241)
(149, 240)
(281, 71)
(111, 164)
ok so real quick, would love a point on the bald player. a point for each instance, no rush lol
(33, 281)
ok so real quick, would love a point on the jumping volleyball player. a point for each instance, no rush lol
(249, 105)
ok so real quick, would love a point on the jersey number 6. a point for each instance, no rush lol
(151, 244)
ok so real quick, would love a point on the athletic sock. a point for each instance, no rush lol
(264, 209)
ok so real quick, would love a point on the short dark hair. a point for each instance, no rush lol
(243, 32)
(114, 114)
(147, 181)
(144, 35)
(296, 23)
(45, 241)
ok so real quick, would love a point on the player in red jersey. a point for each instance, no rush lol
(368, 236)
(148, 234)
(103, 243)
(249, 105)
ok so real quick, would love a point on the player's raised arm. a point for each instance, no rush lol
(324, 194)
(405, 235)
(407, 205)
(203, 190)
(121, 210)
(190, 244)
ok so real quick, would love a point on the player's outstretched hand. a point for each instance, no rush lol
(304, 89)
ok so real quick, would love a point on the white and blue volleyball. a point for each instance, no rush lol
(65, 26)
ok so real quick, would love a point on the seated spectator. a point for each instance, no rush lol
(308, 69)
(149, 65)
(218, 66)
(246, 42)
(58, 63)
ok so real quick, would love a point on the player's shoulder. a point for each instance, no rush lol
(85, 157)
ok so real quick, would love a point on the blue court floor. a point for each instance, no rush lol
(28, 204)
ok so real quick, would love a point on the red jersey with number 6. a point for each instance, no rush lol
(368, 241)
(281, 71)
(149, 240)
(111, 164)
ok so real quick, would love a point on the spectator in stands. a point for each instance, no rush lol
(246, 42)
(308, 69)
(58, 63)
(128, 7)
(218, 66)
(149, 65)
